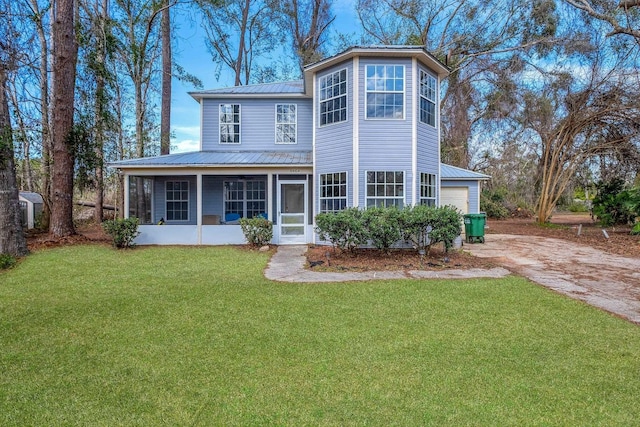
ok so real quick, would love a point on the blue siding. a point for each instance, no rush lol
(474, 192)
(257, 124)
(334, 142)
(385, 145)
(160, 199)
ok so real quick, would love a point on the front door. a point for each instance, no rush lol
(292, 202)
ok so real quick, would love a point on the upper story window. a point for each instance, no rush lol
(229, 123)
(427, 98)
(333, 97)
(286, 123)
(385, 92)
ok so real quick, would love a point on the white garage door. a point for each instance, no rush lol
(456, 196)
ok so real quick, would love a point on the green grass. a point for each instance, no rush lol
(196, 336)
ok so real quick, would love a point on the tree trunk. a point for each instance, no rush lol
(65, 53)
(100, 108)
(165, 112)
(12, 240)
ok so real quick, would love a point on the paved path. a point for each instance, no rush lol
(606, 281)
(609, 282)
(287, 265)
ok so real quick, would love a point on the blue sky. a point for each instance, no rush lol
(191, 53)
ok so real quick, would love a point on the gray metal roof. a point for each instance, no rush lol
(220, 158)
(294, 87)
(32, 197)
(456, 173)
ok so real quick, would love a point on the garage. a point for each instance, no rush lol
(455, 196)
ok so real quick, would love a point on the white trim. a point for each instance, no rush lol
(439, 131)
(202, 126)
(270, 216)
(356, 132)
(295, 124)
(367, 91)
(346, 95)
(302, 239)
(414, 133)
(233, 124)
(126, 196)
(199, 206)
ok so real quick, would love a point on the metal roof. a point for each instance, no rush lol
(31, 197)
(456, 173)
(294, 87)
(220, 158)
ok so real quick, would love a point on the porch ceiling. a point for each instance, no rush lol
(221, 159)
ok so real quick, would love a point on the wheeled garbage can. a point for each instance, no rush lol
(474, 227)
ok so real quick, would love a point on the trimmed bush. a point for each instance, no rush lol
(122, 231)
(344, 229)
(425, 226)
(382, 226)
(257, 230)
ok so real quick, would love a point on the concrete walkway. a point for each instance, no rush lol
(606, 281)
(288, 265)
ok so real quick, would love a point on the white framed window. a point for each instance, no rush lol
(428, 189)
(333, 97)
(177, 200)
(229, 123)
(384, 92)
(286, 123)
(333, 191)
(385, 188)
(427, 98)
(244, 199)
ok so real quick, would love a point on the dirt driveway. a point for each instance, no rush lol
(609, 282)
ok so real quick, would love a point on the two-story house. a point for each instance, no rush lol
(361, 129)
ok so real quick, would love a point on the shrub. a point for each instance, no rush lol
(257, 230)
(344, 229)
(382, 226)
(614, 205)
(122, 231)
(492, 202)
(424, 226)
(6, 261)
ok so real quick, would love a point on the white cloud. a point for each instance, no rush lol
(185, 145)
(182, 131)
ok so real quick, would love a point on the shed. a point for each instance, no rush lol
(31, 208)
(461, 188)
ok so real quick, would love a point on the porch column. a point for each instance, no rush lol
(199, 206)
(270, 197)
(125, 192)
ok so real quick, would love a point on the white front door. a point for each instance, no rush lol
(292, 213)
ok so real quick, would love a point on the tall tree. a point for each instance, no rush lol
(306, 22)
(65, 53)
(165, 110)
(238, 32)
(12, 240)
(622, 16)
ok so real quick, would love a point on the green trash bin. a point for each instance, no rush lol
(474, 227)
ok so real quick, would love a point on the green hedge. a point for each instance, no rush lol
(421, 226)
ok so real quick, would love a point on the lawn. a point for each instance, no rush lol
(197, 336)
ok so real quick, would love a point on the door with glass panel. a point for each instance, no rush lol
(292, 202)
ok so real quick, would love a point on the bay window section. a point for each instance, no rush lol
(385, 188)
(286, 123)
(333, 97)
(333, 191)
(229, 123)
(427, 98)
(385, 92)
(427, 189)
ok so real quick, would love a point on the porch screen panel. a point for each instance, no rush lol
(177, 200)
(245, 198)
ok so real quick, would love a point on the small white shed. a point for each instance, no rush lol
(31, 208)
